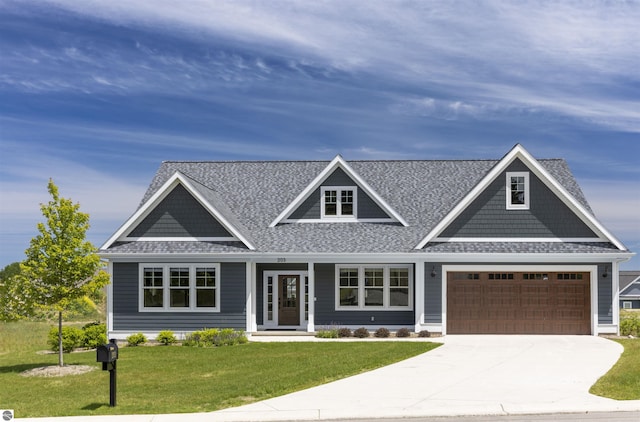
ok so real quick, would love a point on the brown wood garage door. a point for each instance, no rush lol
(518, 303)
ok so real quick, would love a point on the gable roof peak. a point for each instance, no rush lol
(337, 162)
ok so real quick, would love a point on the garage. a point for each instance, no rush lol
(518, 303)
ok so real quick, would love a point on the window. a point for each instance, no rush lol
(626, 305)
(360, 287)
(179, 288)
(348, 287)
(517, 191)
(338, 202)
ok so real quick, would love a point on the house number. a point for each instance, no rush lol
(282, 260)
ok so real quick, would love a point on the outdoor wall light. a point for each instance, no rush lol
(433, 271)
(604, 274)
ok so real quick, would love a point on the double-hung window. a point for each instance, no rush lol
(338, 202)
(373, 286)
(517, 191)
(180, 287)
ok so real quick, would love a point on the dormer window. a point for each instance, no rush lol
(338, 202)
(517, 190)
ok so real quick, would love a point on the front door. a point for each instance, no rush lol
(289, 300)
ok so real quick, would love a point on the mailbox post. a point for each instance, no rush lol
(108, 355)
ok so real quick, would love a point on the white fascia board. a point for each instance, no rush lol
(158, 196)
(520, 152)
(337, 162)
(629, 286)
(520, 239)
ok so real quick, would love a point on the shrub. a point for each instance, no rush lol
(72, 337)
(344, 332)
(210, 337)
(361, 332)
(382, 332)
(327, 333)
(403, 332)
(95, 334)
(630, 324)
(166, 337)
(424, 333)
(136, 339)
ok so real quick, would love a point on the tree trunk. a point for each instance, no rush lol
(60, 362)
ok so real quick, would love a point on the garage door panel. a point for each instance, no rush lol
(518, 303)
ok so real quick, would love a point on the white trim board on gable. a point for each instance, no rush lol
(519, 152)
(176, 179)
(337, 162)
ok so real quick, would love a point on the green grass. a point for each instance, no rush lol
(174, 379)
(622, 382)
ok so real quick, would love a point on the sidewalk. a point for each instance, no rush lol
(468, 375)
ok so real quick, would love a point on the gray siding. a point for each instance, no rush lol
(547, 215)
(605, 296)
(125, 304)
(326, 315)
(635, 303)
(433, 294)
(310, 208)
(179, 215)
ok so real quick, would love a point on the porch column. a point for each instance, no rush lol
(312, 297)
(250, 304)
(419, 296)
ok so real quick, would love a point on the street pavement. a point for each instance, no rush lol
(468, 375)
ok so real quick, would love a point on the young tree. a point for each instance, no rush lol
(61, 265)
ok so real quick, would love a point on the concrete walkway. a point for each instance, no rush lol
(468, 375)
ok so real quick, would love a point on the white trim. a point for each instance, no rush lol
(508, 199)
(627, 304)
(337, 162)
(519, 152)
(521, 239)
(250, 298)
(591, 269)
(180, 239)
(110, 297)
(386, 287)
(615, 295)
(166, 287)
(628, 286)
(339, 219)
(311, 271)
(142, 212)
(419, 290)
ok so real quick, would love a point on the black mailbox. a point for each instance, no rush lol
(107, 353)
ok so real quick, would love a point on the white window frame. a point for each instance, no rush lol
(510, 204)
(626, 304)
(166, 288)
(339, 190)
(386, 268)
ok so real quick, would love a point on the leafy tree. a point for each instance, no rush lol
(9, 271)
(61, 265)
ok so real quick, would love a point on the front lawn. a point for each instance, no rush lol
(622, 382)
(175, 379)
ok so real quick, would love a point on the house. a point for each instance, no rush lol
(450, 246)
(629, 289)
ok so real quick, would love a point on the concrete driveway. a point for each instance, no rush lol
(468, 375)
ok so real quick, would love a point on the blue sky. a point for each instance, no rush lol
(95, 94)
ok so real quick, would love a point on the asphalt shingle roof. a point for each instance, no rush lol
(252, 194)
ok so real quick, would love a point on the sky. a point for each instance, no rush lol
(96, 94)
